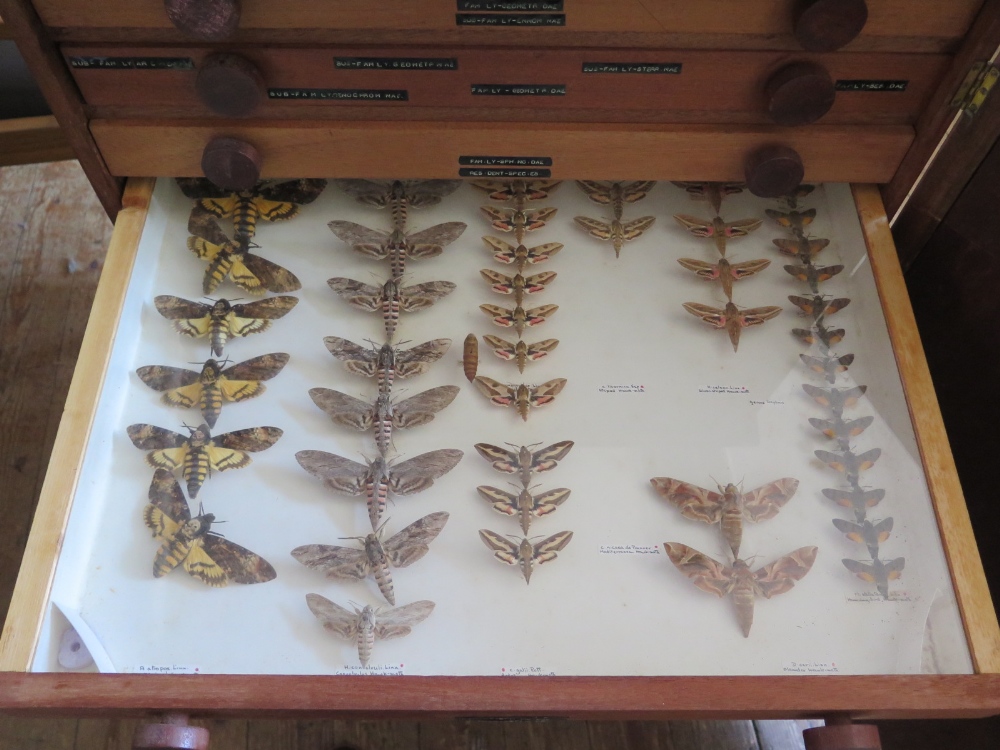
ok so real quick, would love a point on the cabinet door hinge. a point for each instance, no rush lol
(975, 88)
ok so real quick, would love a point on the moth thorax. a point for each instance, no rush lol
(210, 372)
(221, 308)
(367, 618)
(525, 501)
(200, 436)
(198, 526)
(373, 548)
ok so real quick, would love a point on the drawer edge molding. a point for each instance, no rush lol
(34, 581)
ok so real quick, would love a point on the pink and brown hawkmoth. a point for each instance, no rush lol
(521, 397)
(877, 571)
(521, 192)
(517, 285)
(738, 581)
(390, 299)
(376, 556)
(398, 246)
(713, 192)
(519, 318)
(523, 461)
(728, 507)
(617, 232)
(525, 554)
(867, 533)
(520, 256)
(524, 505)
(518, 221)
(724, 272)
(399, 195)
(522, 352)
(717, 229)
(856, 499)
(386, 362)
(616, 194)
(732, 318)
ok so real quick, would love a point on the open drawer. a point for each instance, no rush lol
(611, 625)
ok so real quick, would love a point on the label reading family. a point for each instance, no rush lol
(866, 85)
(630, 549)
(395, 63)
(526, 6)
(371, 95)
(505, 161)
(133, 63)
(519, 89)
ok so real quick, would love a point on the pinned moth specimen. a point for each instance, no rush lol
(820, 334)
(213, 386)
(386, 362)
(867, 533)
(521, 256)
(521, 352)
(617, 232)
(713, 192)
(524, 505)
(398, 246)
(813, 275)
(728, 507)
(738, 581)
(521, 192)
(616, 194)
(518, 221)
(523, 461)
(470, 357)
(856, 499)
(383, 415)
(227, 258)
(519, 318)
(801, 248)
(367, 625)
(794, 221)
(818, 307)
(835, 399)
(376, 556)
(840, 430)
(222, 320)
(732, 318)
(717, 229)
(399, 195)
(801, 191)
(272, 200)
(190, 542)
(877, 571)
(198, 454)
(828, 367)
(521, 397)
(517, 285)
(849, 463)
(724, 272)
(390, 299)
(525, 554)
(379, 478)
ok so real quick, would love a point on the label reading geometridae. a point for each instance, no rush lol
(395, 63)
(628, 67)
(865, 85)
(510, 19)
(367, 95)
(505, 161)
(518, 89)
(527, 6)
(132, 63)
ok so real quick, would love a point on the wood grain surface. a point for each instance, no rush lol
(29, 140)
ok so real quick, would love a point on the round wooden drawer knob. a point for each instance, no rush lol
(172, 734)
(231, 164)
(799, 93)
(204, 19)
(842, 737)
(827, 25)
(773, 171)
(230, 85)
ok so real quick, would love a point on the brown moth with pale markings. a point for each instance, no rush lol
(617, 232)
(728, 507)
(813, 275)
(867, 533)
(717, 229)
(835, 399)
(738, 581)
(520, 256)
(518, 221)
(713, 192)
(725, 272)
(524, 505)
(222, 320)
(519, 318)
(795, 221)
(803, 249)
(615, 194)
(398, 246)
(878, 572)
(521, 192)
(849, 463)
(390, 299)
(367, 625)
(517, 285)
(524, 462)
(817, 307)
(383, 415)
(522, 352)
(386, 362)
(376, 556)
(828, 367)
(857, 500)
(399, 195)
(820, 334)
(525, 554)
(521, 397)
(838, 429)
(732, 318)
(470, 357)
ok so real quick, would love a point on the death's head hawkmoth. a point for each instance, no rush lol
(222, 320)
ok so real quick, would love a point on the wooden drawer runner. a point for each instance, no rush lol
(462, 83)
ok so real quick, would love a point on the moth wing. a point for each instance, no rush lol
(504, 549)
(251, 439)
(206, 250)
(503, 502)
(546, 392)
(370, 242)
(500, 218)
(635, 191)
(883, 528)
(224, 459)
(502, 459)
(362, 359)
(541, 348)
(333, 561)
(415, 361)
(438, 235)
(421, 408)
(707, 574)
(595, 228)
(742, 227)
(150, 437)
(303, 191)
(748, 268)
(894, 568)
(164, 378)
(410, 544)
(545, 458)
(780, 576)
(333, 617)
(264, 367)
(635, 227)
(344, 410)
(537, 315)
(697, 227)
(222, 204)
(834, 460)
(419, 472)
(274, 210)
(238, 563)
(499, 282)
(867, 459)
(548, 548)
(836, 305)
(540, 253)
(265, 309)
(357, 292)
(502, 348)
(864, 571)
(200, 187)
(703, 269)
(339, 473)
(418, 296)
(765, 501)
(502, 252)
(755, 316)
(366, 191)
(167, 510)
(548, 501)
(536, 217)
(596, 191)
(176, 308)
(498, 393)
(711, 315)
(398, 622)
(422, 193)
(271, 276)
(853, 531)
(696, 503)
(199, 564)
(537, 282)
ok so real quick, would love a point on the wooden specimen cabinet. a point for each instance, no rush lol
(721, 91)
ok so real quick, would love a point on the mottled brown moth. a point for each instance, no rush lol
(390, 299)
(386, 362)
(399, 195)
(398, 246)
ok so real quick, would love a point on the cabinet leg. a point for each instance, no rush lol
(840, 734)
(172, 733)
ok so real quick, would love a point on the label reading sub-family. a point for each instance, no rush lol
(524, 6)
(395, 63)
(510, 19)
(132, 63)
(632, 67)
(871, 85)
(519, 89)
(630, 549)
(366, 95)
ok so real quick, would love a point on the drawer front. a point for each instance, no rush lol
(898, 25)
(458, 83)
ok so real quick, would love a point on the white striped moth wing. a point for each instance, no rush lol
(717, 229)
(724, 272)
(525, 554)
(524, 505)
(520, 256)
(523, 461)
(367, 625)
(375, 556)
(521, 396)
(522, 352)
(517, 285)
(518, 221)
(617, 232)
